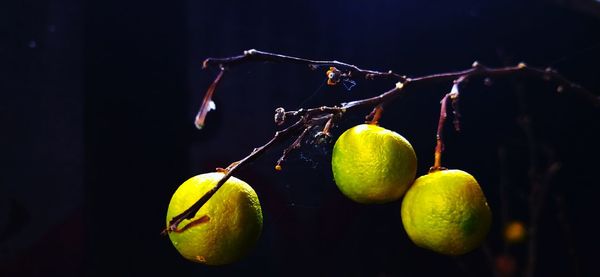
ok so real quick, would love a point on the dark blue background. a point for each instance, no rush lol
(98, 100)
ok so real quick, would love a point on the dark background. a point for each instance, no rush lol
(97, 100)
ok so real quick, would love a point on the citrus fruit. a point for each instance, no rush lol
(372, 164)
(446, 211)
(514, 232)
(224, 229)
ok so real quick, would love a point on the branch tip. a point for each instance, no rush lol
(279, 116)
(250, 52)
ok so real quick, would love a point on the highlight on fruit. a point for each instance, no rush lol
(227, 226)
(372, 164)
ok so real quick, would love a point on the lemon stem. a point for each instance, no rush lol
(439, 141)
(439, 145)
(375, 115)
(437, 164)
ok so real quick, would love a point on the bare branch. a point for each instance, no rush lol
(309, 118)
(307, 121)
(191, 211)
(478, 70)
(439, 141)
(254, 55)
(353, 71)
(295, 145)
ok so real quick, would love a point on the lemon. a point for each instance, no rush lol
(446, 211)
(372, 164)
(224, 229)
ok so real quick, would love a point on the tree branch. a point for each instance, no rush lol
(309, 118)
(295, 145)
(305, 122)
(254, 55)
(191, 211)
(353, 71)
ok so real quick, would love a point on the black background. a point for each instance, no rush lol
(98, 101)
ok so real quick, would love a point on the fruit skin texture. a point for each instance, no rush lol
(372, 164)
(224, 229)
(446, 211)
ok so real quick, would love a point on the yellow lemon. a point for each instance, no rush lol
(224, 229)
(446, 211)
(372, 164)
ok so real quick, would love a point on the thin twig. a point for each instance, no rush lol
(454, 97)
(439, 141)
(254, 55)
(191, 211)
(295, 145)
(305, 122)
(476, 70)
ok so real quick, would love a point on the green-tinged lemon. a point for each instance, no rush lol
(224, 229)
(372, 164)
(446, 211)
